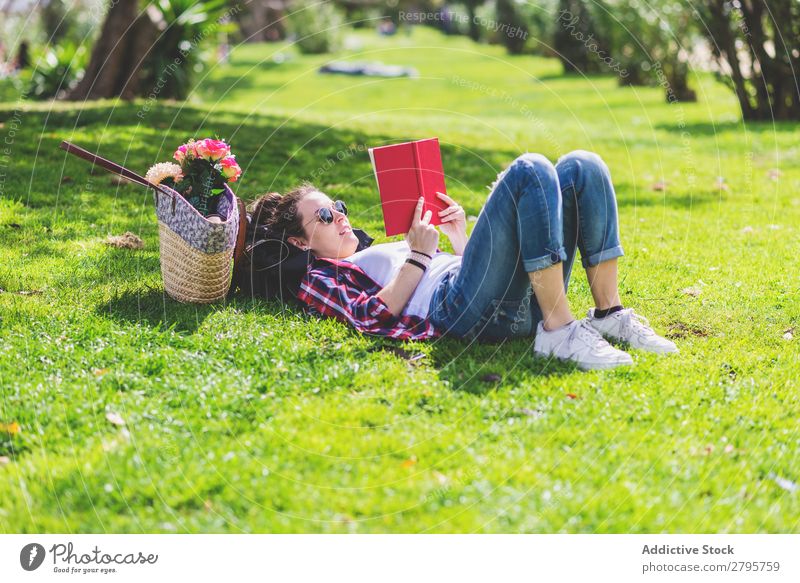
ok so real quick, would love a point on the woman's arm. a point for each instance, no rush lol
(422, 237)
(398, 291)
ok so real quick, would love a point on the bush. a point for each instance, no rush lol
(316, 27)
(178, 52)
(57, 70)
(506, 22)
(652, 45)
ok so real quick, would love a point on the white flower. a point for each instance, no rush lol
(162, 170)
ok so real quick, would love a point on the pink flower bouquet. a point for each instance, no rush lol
(203, 169)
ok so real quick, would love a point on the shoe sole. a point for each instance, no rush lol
(584, 366)
(627, 344)
(603, 366)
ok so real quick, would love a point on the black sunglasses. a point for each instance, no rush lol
(325, 214)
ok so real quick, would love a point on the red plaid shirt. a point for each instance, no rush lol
(343, 290)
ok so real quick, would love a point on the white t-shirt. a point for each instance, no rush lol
(382, 262)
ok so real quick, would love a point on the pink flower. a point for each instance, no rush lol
(180, 153)
(229, 169)
(211, 150)
(191, 149)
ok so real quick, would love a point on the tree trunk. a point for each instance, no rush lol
(108, 54)
(574, 33)
(677, 75)
(516, 31)
(263, 21)
(474, 25)
(145, 32)
(758, 42)
(118, 54)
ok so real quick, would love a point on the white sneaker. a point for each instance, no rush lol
(580, 343)
(628, 326)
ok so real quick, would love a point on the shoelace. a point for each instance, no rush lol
(635, 322)
(588, 334)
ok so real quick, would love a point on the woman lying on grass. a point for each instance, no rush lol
(522, 247)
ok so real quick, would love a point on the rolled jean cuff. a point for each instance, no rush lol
(545, 260)
(604, 255)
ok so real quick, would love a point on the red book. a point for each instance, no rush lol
(404, 173)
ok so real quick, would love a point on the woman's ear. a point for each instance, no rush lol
(297, 242)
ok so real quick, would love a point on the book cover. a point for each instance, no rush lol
(405, 172)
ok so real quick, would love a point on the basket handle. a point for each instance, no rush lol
(238, 250)
(112, 167)
(133, 177)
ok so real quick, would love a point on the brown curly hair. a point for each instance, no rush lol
(270, 266)
(279, 213)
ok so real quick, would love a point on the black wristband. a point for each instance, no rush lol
(416, 263)
(421, 253)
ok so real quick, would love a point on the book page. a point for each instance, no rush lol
(374, 169)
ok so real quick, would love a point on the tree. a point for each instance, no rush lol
(152, 53)
(574, 36)
(55, 20)
(652, 44)
(757, 46)
(512, 26)
(117, 57)
(185, 27)
(472, 12)
(641, 42)
(263, 21)
(318, 26)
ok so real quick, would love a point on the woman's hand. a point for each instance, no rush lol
(454, 223)
(422, 236)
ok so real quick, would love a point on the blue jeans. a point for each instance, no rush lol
(536, 216)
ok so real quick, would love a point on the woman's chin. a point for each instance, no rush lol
(349, 244)
(345, 248)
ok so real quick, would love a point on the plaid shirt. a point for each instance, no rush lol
(343, 290)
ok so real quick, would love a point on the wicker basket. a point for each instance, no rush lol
(196, 254)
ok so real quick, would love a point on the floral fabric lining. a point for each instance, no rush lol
(193, 228)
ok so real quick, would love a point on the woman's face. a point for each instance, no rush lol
(334, 240)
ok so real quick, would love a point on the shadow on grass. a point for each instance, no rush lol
(482, 367)
(473, 367)
(727, 127)
(276, 154)
(669, 200)
(156, 309)
(152, 307)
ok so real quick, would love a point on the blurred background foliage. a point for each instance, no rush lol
(84, 50)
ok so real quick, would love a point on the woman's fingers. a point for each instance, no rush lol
(418, 211)
(450, 210)
(453, 217)
(427, 218)
(446, 198)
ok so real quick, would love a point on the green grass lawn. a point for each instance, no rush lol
(248, 417)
